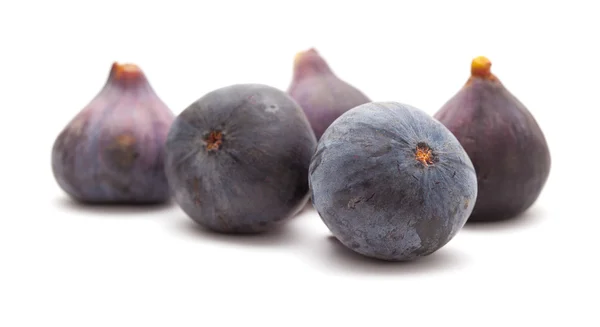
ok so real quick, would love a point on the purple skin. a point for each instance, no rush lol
(375, 193)
(237, 159)
(320, 93)
(505, 144)
(112, 152)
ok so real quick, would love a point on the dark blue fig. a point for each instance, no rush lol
(322, 95)
(237, 159)
(112, 151)
(392, 183)
(505, 143)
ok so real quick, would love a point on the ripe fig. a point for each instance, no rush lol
(237, 159)
(321, 94)
(112, 151)
(390, 182)
(503, 140)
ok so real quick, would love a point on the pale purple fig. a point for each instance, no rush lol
(112, 151)
(322, 95)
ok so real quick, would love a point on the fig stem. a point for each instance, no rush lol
(297, 57)
(300, 54)
(481, 67)
(126, 71)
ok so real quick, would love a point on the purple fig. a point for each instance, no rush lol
(112, 151)
(503, 140)
(320, 93)
(237, 159)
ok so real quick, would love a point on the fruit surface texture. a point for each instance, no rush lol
(505, 143)
(322, 95)
(238, 158)
(390, 182)
(112, 151)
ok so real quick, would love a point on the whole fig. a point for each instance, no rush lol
(322, 95)
(112, 151)
(237, 159)
(392, 183)
(503, 140)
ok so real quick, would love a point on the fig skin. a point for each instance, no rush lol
(322, 95)
(504, 141)
(237, 159)
(112, 151)
(391, 183)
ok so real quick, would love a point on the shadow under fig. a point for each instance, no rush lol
(340, 258)
(113, 208)
(528, 218)
(307, 208)
(282, 234)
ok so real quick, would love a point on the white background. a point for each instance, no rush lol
(65, 265)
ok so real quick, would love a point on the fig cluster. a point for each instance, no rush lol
(388, 180)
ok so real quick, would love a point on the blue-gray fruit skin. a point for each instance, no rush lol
(379, 190)
(237, 159)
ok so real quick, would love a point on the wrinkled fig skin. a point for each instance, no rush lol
(505, 144)
(258, 175)
(376, 197)
(112, 152)
(321, 94)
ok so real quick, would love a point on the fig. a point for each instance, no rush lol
(112, 151)
(504, 141)
(320, 93)
(237, 159)
(390, 182)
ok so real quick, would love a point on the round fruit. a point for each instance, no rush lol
(237, 159)
(390, 182)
